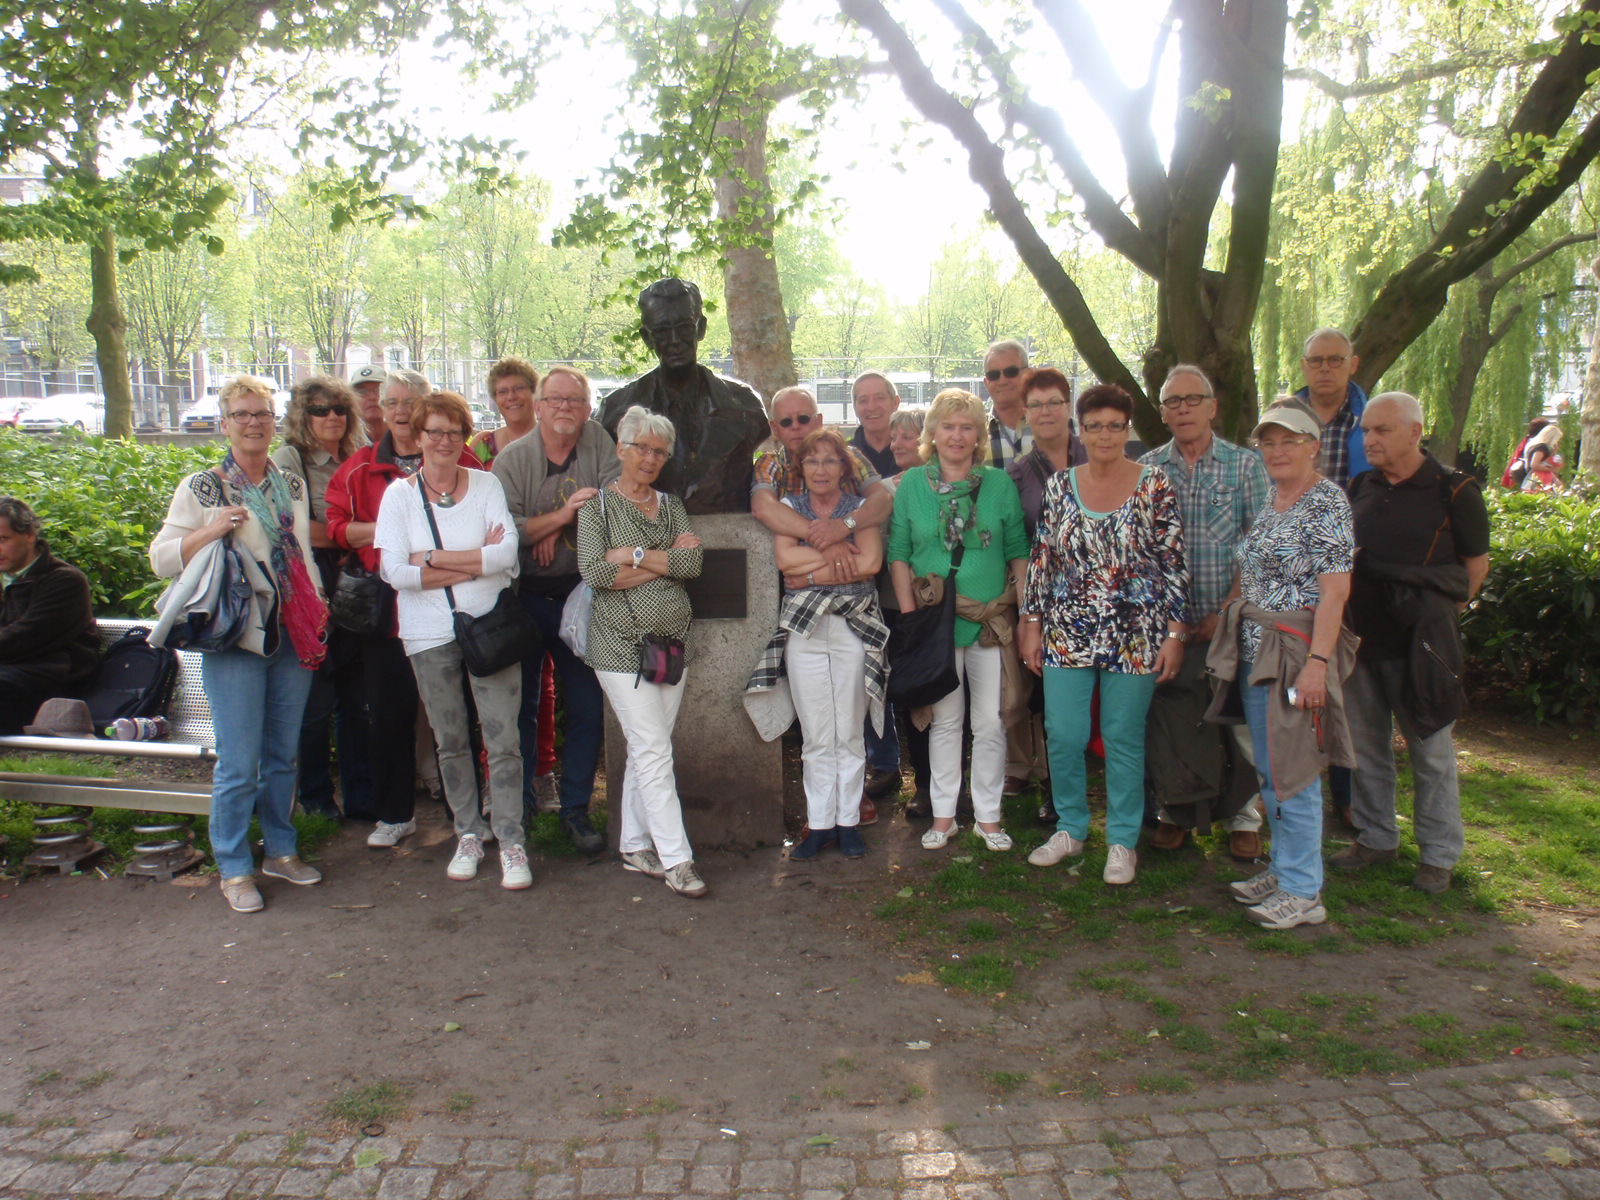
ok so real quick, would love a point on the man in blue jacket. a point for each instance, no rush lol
(1337, 402)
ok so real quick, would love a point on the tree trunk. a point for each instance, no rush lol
(1589, 416)
(1477, 339)
(109, 326)
(763, 354)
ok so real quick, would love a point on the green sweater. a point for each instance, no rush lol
(992, 541)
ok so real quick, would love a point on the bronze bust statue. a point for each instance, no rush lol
(720, 421)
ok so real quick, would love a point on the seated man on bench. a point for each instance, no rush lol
(48, 643)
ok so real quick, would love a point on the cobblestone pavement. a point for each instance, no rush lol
(1484, 1133)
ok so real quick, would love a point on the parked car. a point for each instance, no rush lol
(203, 416)
(85, 411)
(484, 416)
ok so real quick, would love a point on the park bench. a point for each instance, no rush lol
(63, 841)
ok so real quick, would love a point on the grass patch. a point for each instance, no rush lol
(93, 1080)
(1005, 1082)
(460, 1102)
(382, 1101)
(546, 835)
(1164, 1085)
(659, 1106)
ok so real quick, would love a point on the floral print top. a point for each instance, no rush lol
(1284, 552)
(1108, 584)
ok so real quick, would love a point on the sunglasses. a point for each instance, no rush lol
(996, 372)
(327, 410)
(802, 419)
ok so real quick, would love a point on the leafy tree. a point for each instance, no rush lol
(492, 245)
(170, 294)
(317, 268)
(48, 313)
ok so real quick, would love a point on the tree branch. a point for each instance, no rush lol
(1383, 85)
(1538, 256)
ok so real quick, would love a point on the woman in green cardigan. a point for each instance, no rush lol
(953, 499)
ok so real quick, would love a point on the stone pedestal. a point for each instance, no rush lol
(729, 780)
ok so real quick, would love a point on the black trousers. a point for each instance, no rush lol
(392, 713)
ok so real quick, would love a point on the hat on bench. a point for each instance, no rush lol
(61, 718)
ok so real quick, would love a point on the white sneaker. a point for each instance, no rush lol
(686, 881)
(998, 840)
(646, 862)
(1061, 845)
(469, 853)
(1281, 910)
(1255, 889)
(1121, 863)
(385, 834)
(936, 839)
(545, 797)
(515, 874)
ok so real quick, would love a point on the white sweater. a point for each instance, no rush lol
(425, 618)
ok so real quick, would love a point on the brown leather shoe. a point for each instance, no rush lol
(1432, 880)
(1015, 785)
(869, 812)
(1168, 837)
(1356, 856)
(883, 783)
(920, 805)
(1244, 845)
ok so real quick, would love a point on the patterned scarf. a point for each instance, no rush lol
(304, 613)
(958, 506)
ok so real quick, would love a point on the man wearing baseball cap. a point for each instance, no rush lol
(368, 382)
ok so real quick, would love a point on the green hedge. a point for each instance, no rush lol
(101, 501)
(1532, 636)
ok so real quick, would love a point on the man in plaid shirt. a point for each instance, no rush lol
(1336, 401)
(1009, 436)
(1220, 489)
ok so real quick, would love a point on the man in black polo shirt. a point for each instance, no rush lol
(1422, 550)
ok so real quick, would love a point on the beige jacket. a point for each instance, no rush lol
(1300, 743)
(999, 620)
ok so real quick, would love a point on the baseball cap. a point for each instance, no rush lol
(368, 374)
(1288, 416)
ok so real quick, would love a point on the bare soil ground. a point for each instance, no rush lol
(599, 995)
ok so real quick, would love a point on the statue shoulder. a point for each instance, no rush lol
(728, 392)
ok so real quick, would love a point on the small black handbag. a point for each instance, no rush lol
(922, 649)
(361, 601)
(501, 637)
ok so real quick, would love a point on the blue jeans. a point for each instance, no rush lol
(256, 708)
(1124, 703)
(1296, 820)
(585, 704)
(883, 752)
(337, 691)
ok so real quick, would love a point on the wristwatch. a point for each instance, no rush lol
(1183, 638)
(850, 524)
(638, 555)
(427, 559)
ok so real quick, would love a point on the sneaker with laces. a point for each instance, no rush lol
(1061, 845)
(583, 834)
(1281, 910)
(290, 867)
(385, 833)
(998, 840)
(242, 895)
(469, 853)
(545, 797)
(1121, 864)
(686, 881)
(515, 874)
(1255, 889)
(646, 862)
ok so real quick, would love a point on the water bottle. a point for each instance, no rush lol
(138, 729)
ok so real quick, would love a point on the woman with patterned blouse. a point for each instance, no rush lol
(955, 499)
(635, 547)
(1105, 605)
(1294, 578)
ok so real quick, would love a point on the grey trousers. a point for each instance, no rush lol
(1371, 695)
(439, 673)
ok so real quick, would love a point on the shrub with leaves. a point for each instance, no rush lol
(101, 501)
(1532, 634)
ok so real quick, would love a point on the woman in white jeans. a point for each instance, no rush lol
(635, 548)
(830, 625)
(952, 500)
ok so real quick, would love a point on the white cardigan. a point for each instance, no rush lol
(425, 616)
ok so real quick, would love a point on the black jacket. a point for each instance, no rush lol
(47, 622)
(1423, 600)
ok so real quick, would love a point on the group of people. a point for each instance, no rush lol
(1225, 622)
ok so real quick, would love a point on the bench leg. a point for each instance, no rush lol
(167, 848)
(61, 843)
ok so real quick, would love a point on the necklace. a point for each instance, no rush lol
(446, 500)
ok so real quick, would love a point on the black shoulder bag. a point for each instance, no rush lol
(922, 644)
(501, 637)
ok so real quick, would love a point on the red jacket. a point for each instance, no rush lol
(357, 487)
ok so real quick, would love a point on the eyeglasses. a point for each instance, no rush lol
(1042, 405)
(565, 401)
(444, 435)
(802, 419)
(1324, 360)
(1008, 372)
(1190, 401)
(650, 452)
(681, 331)
(514, 389)
(260, 418)
(327, 410)
(1104, 426)
(391, 402)
(823, 462)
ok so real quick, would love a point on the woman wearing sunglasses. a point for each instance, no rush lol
(321, 432)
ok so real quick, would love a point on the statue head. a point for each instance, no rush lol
(671, 322)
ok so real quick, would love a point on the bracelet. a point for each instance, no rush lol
(1032, 618)
(811, 578)
(1319, 658)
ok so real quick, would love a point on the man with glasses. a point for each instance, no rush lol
(1337, 402)
(548, 475)
(720, 421)
(1197, 772)
(1009, 436)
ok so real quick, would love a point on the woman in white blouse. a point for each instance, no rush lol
(478, 558)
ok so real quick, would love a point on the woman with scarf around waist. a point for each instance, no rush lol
(257, 689)
(954, 499)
